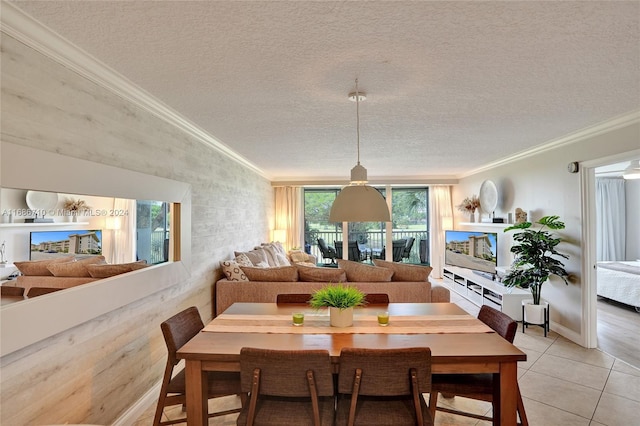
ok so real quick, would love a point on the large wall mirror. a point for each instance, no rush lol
(156, 211)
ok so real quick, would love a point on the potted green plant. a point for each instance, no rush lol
(340, 300)
(535, 259)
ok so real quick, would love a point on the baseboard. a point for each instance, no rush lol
(567, 333)
(136, 410)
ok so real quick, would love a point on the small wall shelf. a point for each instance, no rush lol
(35, 224)
(489, 224)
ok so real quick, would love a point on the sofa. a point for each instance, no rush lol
(68, 271)
(250, 283)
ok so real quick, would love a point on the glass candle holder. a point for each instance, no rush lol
(298, 318)
(383, 319)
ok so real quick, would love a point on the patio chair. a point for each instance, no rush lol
(477, 386)
(353, 252)
(287, 387)
(328, 252)
(383, 387)
(177, 331)
(407, 248)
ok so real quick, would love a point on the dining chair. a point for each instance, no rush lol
(477, 386)
(177, 331)
(6, 290)
(377, 298)
(383, 387)
(287, 387)
(293, 298)
(40, 291)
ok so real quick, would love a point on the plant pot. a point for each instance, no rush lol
(341, 317)
(535, 314)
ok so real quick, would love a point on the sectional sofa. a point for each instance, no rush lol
(249, 283)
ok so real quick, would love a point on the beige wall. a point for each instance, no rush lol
(95, 371)
(541, 184)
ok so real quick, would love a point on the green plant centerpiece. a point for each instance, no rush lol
(340, 300)
(534, 260)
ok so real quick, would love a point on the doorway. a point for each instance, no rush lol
(610, 323)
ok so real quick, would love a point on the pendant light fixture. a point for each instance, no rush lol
(632, 171)
(359, 202)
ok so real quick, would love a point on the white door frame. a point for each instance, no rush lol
(589, 299)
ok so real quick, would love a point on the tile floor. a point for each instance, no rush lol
(561, 383)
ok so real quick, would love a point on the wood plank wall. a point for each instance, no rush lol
(94, 372)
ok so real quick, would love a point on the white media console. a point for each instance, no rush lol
(481, 290)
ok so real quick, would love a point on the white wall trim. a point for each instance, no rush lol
(589, 132)
(34, 34)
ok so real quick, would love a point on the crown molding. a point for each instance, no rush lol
(624, 120)
(21, 26)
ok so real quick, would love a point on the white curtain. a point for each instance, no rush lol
(440, 219)
(123, 231)
(610, 219)
(289, 215)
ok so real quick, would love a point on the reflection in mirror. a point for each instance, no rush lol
(79, 228)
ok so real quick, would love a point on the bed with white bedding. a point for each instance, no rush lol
(620, 281)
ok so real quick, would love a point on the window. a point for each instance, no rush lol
(409, 218)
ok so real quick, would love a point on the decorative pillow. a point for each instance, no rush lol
(106, 270)
(282, 260)
(276, 274)
(404, 272)
(243, 260)
(233, 271)
(359, 272)
(319, 274)
(255, 256)
(77, 268)
(39, 267)
(298, 256)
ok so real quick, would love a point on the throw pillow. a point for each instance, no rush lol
(255, 256)
(359, 272)
(233, 271)
(39, 267)
(276, 274)
(106, 270)
(404, 272)
(243, 260)
(319, 274)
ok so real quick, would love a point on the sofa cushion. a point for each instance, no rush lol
(233, 271)
(319, 274)
(405, 272)
(359, 272)
(276, 274)
(39, 267)
(106, 270)
(76, 268)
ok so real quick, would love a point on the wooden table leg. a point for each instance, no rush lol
(197, 403)
(508, 394)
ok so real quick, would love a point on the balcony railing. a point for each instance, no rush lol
(374, 241)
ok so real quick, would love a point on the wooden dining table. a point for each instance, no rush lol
(459, 342)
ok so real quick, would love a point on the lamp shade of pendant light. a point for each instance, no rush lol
(359, 202)
(632, 171)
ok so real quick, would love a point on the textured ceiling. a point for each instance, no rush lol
(451, 86)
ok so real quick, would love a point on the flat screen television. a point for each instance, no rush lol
(53, 244)
(477, 251)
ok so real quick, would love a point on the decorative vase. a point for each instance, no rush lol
(535, 314)
(341, 317)
(476, 216)
(472, 217)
